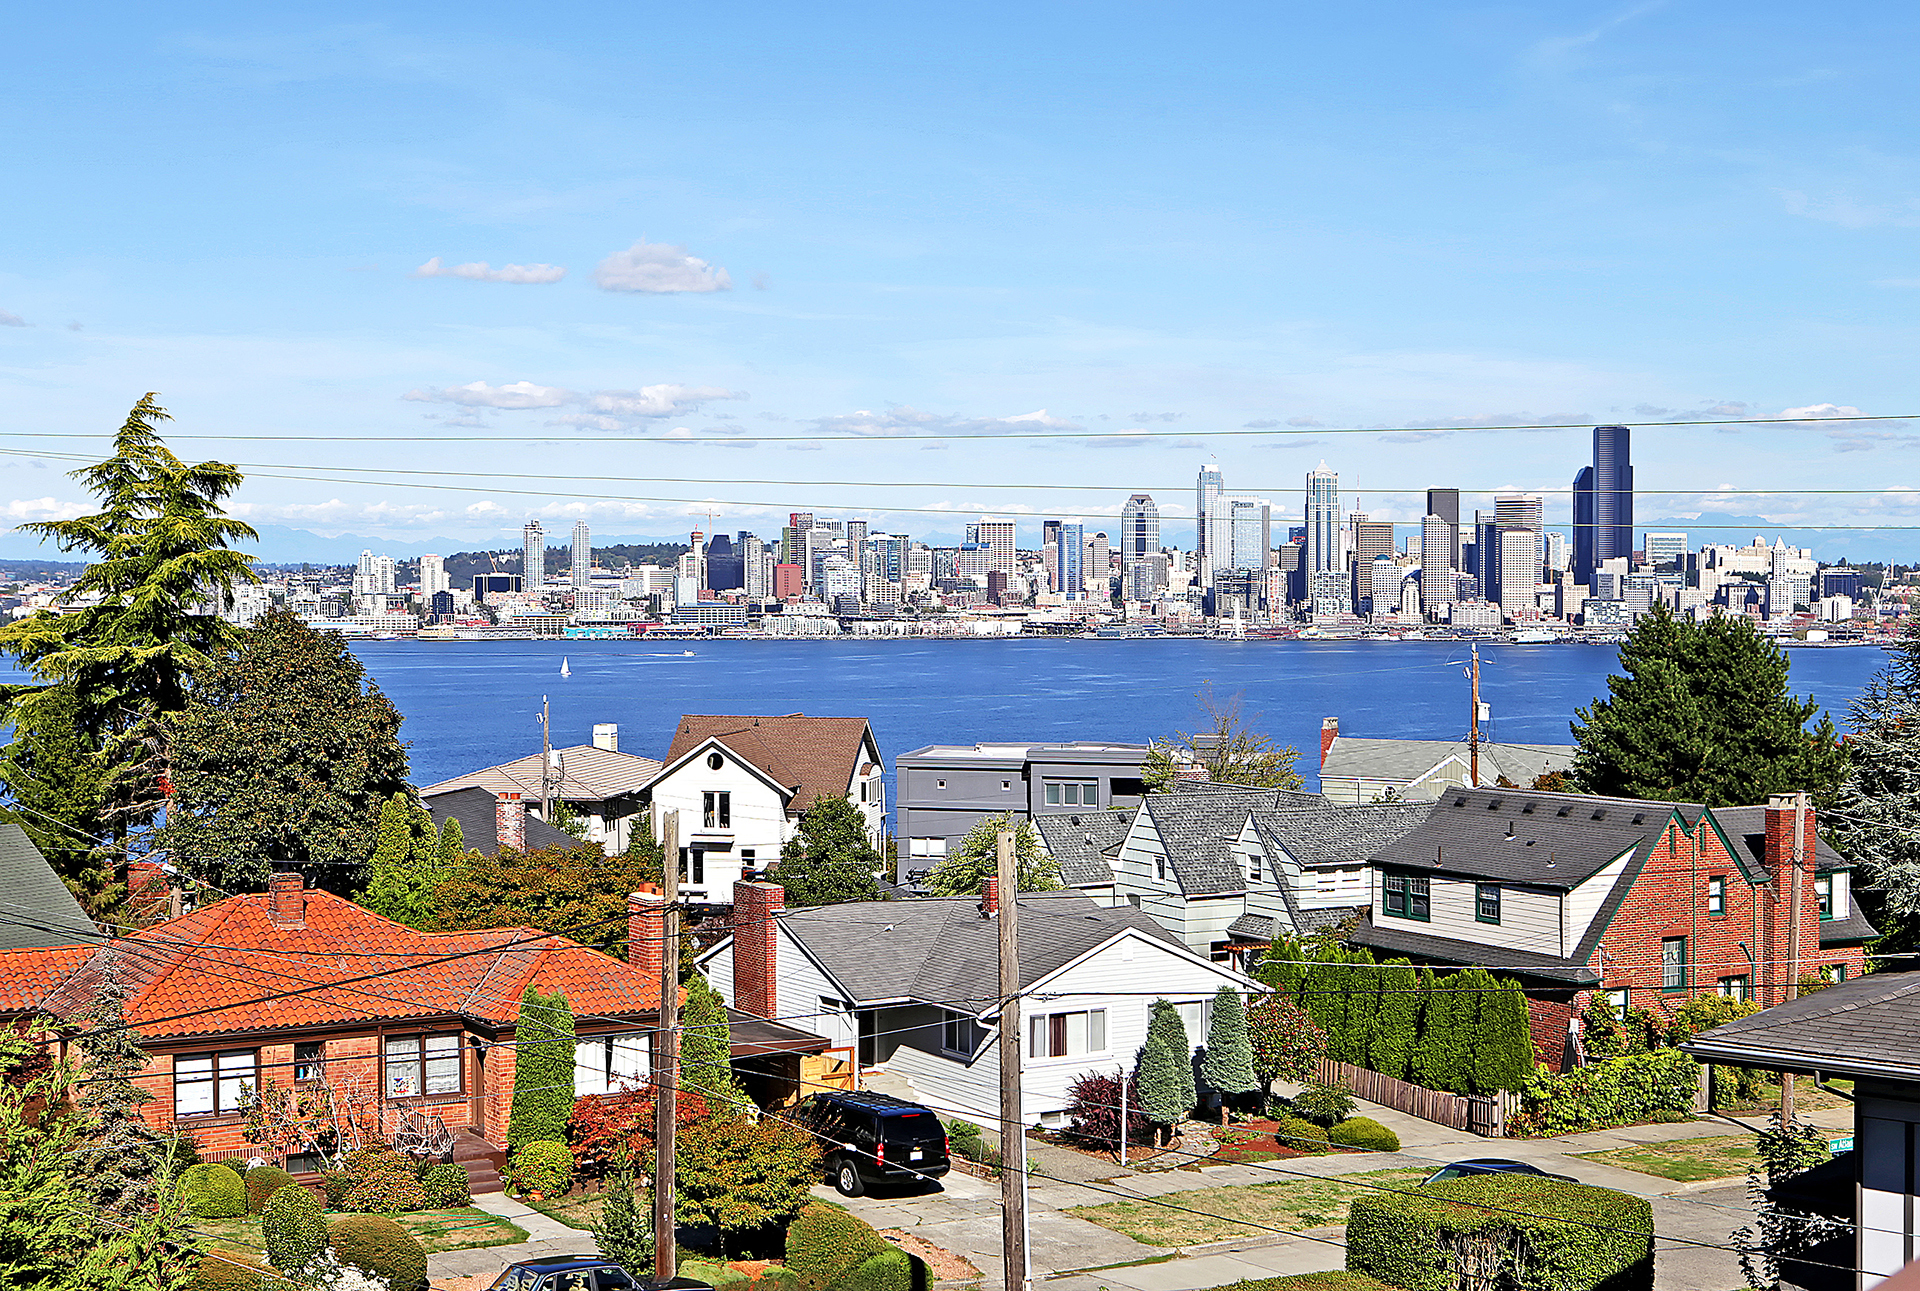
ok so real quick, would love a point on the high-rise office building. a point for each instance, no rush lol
(1207, 488)
(1367, 541)
(582, 555)
(1439, 556)
(1445, 503)
(1097, 561)
(1140, 565)
(1665, 548)
(754, 566)
(433, 576)
(1553, 548)
(1603, 503)
(1521, 511)
(857, 553)
(1239, 533)
(533, 557)
(1518, 569)
(997, 537)
(1070, 556)
(1323, 523)
(380, 581)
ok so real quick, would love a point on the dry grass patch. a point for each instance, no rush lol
(461, 1229)
(1246, 1210)
(1683, 1160)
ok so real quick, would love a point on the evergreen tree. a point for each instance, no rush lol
(56, 778)
(1331, 988)
(404, 868)
(829, 859)
(543, 1069)
(1430, 1050)
(286, 754)
(1283, 968)
(119, 1154)
(1503, 1055)
(625, 1231)
(1703, 714)
(1391, 1041)
(706, 1049)
(1454, 1010)
(1363, 1004)
(1227, 1066)
(1876, 818)
(451, 847)
(1161, 1070)
(964, 871)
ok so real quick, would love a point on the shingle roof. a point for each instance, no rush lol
(36, 909)
(1080, 843)
(811, 756)
(232, 959)
(1334, 834)
(1198, 831)
(1863, 1027)
(477, 812)
(588, 774)
(1275, 797)
(940, 950)
(1854, 927)
(1408, 760)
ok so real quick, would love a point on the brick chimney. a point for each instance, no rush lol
(1329, 731)
(1791, 885)
(755, 936)
(510, 821)
(646, 929)
(990, 899)
(287, 899)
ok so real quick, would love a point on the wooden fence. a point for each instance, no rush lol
(1485, 1116)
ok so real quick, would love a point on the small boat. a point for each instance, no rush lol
(564, 670)
(686, 654)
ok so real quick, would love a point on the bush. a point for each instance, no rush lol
(1618, 1091)
(381, 1247)
(544, 1166)
(213, 1192)
(891, 1270)
(445, 1186)
(825, 1243)
(386, 1191)
(1093, 1107)
(262, 1182)
(1324, 1104)
(1503, 1230)
(336, 1184)
(294, 1228)
(1300, 1135)
(230, 1271)
(716, 1275)
(1366, 1133)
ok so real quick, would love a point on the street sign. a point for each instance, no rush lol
(1842, 1144)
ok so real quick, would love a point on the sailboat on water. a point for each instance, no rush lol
(564, 670)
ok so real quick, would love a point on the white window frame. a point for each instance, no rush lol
(962, 1027)
(432, 1051)
(1045, 1030)
(608, 1064)
(227, 1089)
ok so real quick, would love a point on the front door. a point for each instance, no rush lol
(477, 1108)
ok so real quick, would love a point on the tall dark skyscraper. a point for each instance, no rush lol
(1603, 503)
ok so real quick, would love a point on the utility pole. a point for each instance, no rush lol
(1793, 939)
(1013, 1139)
(1123, 1118)
(1473, 725)
(666, 1050)
(546, 766)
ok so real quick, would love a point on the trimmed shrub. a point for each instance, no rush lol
(1364, 1132)
(1300, 1135)
(381, 1247)
(386, 1191)
(226, 1271)
(262, 1182)
(775, 1277)
(445, 1185)
(825, 1243)
(891, 1270)
(294, 1228)
(543, 1070)
(336, 1184)
(1618, 1091)
(213, 1191)
(544, 1166)
(1325, 1105)
(714, 1274)
(1503, 1230)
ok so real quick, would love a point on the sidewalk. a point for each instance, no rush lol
(545, 1237)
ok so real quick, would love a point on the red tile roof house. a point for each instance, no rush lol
(294, 983)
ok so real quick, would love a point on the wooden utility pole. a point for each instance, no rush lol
(666, 1050)
(546, 762)
(1473, 725)
(1793, 939)
(1013, 1139)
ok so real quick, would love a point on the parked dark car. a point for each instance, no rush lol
(583, 1273)
(1491, 1165)
(869, 1139)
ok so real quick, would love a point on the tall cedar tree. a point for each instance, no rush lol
(1429, 1050)
(542, 1070)
(706, 1049)
(452, 844)
(829, 859)
(1363, 1004)
(1876, 818)
(405, 865)
(578, 892)
(739, 1175)
(119, 1154)
(1503, 1056)
(1283, 968)
(1164, 1069)
(624, 1232)
(1327, 991)
(284, 755)
(1702, 714)
(1226, 750)
(964, 871)
(1396, 1025)
(1227, 1066)
(57, 779)
(140, 626)
(1457, 1012)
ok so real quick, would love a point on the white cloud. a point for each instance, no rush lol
(481, 271)
(11, 320)
(478, 394)
(658, 400)
(21, 510)
(1850, 212)
(904, 420)
(1822, 410)
(657, 268)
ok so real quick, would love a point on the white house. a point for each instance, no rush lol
(740, 785)
(1362, 770)
(911, 989)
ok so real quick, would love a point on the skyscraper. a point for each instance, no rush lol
(533, 558)
(1520, 511)
(1140, 548)
(1070, 554)
(433, 576)
(1246, 530)
(1323, 522)
(857, 553)
(997, 537)
(1603, 503)
(1207, 488)
(1439, 558)
(1444, 503)
(582, 555)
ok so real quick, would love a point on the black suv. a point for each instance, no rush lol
(582, 1273)
(875, 1138)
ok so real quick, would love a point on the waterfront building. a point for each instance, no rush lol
(582, 570)
(1553, 551)
(1603, 503)
(1207, 488)
(1323, 522)
(533, 557)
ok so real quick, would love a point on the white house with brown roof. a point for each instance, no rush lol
(740, 784)
(604, 786)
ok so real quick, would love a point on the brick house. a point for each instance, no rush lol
(1649, 902)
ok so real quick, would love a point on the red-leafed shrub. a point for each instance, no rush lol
(1093, 1107)
(606, 1129)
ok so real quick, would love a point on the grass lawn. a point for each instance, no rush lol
(460, 1229)
(1337, 1280)
(580, 1211)
(1234, 1211)
(1683, 1160)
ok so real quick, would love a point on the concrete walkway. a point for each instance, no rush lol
(545, 1237)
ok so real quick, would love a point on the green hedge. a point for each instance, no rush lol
(891, 1270)
(262, 1182)
(446, 1185)
(1505, 1230)
(1300, 1135)
(544, 1166)
(293, 1228)
(1364, 1132)
(380, 1247)
(1618, 1091)
(213, 1191)
(825, 1244)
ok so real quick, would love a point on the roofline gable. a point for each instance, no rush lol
(785, 791)
(1178, 949)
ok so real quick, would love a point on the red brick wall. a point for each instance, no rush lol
(754, 940)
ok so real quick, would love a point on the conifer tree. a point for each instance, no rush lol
(1876, 818)
(543, 1069)
(1391, 1042)
(404, 867)
(1228, 1064)
(119, 1155)
(1503, 1055)
(1454, 1010)
(1157, 1074)
(1332, 986)
(625, 1231)
(451, 845)
(706, 1049)
(1703, 714)
(1430, 1050)
(56, 777)
(1363, 1004)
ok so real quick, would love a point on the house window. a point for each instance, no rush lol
(1160, 866)
(716, 810)
(1717, 894)
(214, 1084)
(1823, 893)
(1734, 988)
(610, 1063)
(422, 1064)
(1407, 895)
(1673, 964)
(1197, 1018)
(1621, 1000)
(1835, 973)
(1067, 1035)
(1005, 785)
(959, 1035)
(693, 865)
(1073, 793)
(1253, 867)
(863, 791)
(1486, 902)
(309, 1059)
(927, 847)
(715, 761)
(747, 855)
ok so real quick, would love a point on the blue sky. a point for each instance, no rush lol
(777, 220)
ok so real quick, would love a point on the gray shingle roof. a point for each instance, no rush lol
(1080, 843)
(940, 950)
(1863, 1028)
(478, 813)
(36, 909)
(1332, 834)
(1409, 760)
(1197, 830)
(1835, 932)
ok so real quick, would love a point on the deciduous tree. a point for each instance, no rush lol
(739, 1175)
(829, 859)
(578, 892)
(1226, 749)
(1287, 1045)
(965, 869)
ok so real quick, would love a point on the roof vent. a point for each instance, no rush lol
(1639, 816)
(1599, 813)
(1493, 804)
(1527, 810)
(1564, 809)
(1459, 802)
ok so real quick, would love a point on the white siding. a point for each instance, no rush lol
(1584, 902)
(799, 986)
(1344, 885)
(759, 819)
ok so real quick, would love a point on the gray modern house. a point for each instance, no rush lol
(943, 790)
